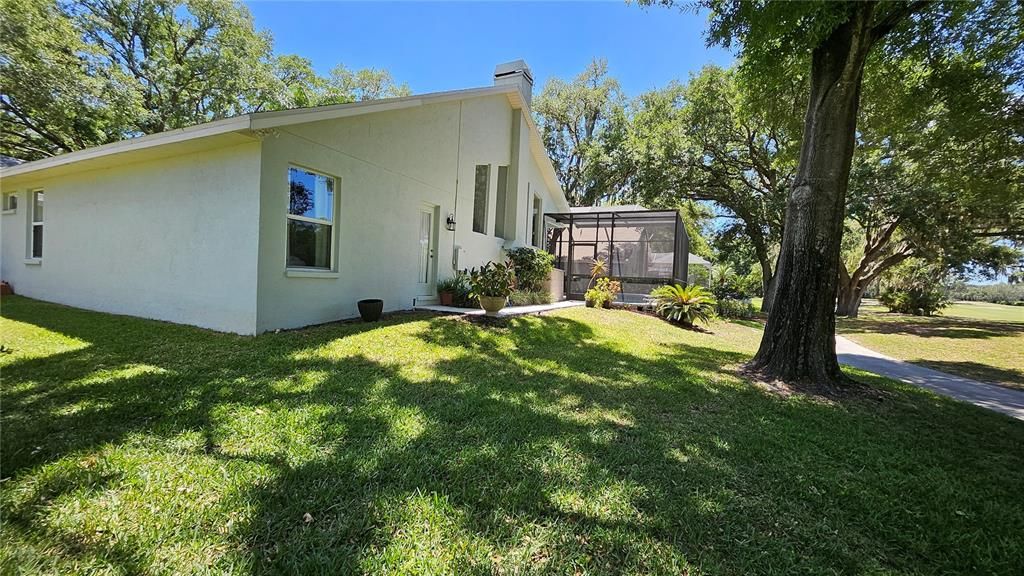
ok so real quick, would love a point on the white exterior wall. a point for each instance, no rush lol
(531, 183)
(387, 165)
(200, 237)
(171, 239)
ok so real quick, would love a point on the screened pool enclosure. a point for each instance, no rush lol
(642, 249)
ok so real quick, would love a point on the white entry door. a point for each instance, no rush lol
(426, 271)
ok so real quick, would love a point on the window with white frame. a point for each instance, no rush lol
(36, 237)
(10, 202)
(310, 219)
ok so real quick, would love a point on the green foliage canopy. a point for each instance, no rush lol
(79, 74)
(583, 124)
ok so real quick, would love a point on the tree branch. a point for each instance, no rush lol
(886, 23)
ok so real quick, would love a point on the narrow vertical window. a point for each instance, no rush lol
(502, 204)
(480, 189)
(538, 222)
(36, 242)
(310, 219)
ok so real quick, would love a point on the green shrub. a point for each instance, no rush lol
(726, 284)
(529, 298)
(918, 300)
(596, 298)
(603, 293)
(465, 299)
(736, 309)
(452, 285)
(915, 287)
(494, 279)
(532, 267)
(462, 293)
(753, 283)
(683, 304)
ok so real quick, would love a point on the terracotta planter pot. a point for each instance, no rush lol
(492, 304)
(447, 298)
(370, 310)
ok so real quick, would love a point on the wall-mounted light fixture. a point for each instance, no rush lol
(450, 223)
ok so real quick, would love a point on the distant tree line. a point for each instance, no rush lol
(999, 293)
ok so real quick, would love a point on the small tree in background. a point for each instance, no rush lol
(915, 287)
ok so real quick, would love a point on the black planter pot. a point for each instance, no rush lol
(370, 310)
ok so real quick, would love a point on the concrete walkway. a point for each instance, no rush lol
(1005, 400)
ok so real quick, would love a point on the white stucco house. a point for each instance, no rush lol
(284, 219)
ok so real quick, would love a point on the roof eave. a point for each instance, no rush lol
(250, 123)
(217, 127)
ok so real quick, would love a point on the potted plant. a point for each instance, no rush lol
(449, 287)
(370, 309)
(594, 298)
(603, 294)
(492, 284)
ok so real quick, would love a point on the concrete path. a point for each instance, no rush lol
(1005, 400)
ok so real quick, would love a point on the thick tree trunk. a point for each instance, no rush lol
(768, 284)
(850, 296)
(852, 286)
(798, 344)
(767, 273)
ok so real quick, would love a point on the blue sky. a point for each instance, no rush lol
(452, 45)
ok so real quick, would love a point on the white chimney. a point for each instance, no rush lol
(516, 73)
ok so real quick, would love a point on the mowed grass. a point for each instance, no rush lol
(985, 311)
(585, 441)
(973, 339)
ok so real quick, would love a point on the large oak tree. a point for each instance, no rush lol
(937, 174)
(713, 140)
(583, 122)
(833, 42)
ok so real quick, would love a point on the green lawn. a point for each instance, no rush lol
(985, 311)
(967, 310)
(584, 441)
(973, 339)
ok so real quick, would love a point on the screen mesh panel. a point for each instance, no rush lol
(641, 249)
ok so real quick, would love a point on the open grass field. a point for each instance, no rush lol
(579, 442)
(984, 311)
(967, 310)
(974, 339)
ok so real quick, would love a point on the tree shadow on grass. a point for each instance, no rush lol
(929, 327)
(756, 323)
(544, 445)
(637, 464)
(1006, 377)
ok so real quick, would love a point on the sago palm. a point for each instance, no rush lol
(683, 304)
